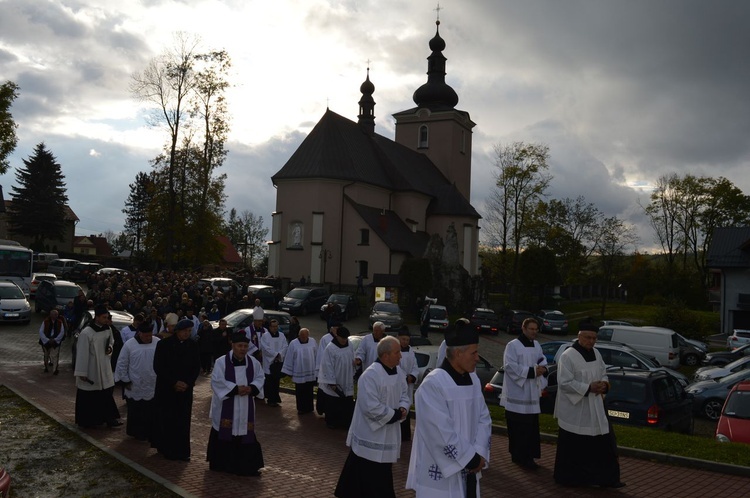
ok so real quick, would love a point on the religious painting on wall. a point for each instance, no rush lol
(295, 235)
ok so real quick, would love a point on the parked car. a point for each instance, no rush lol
(41, 260)
(222, 284)
(494, 389)
(108, 271)
(658, 342)
(388, 313)
(35, 279)
(81, 271)
(734, 422)
(717, 372)
(691, 351)
(267, 294)
(485, 320)
(120, 319)
(436, 317)
(427, 361)
(303, 300)
(240, 319)
(14, 307)
(511, 320)
(552, 322)
(55, 294)
(738, 338)
(346, 306)
(61, 267)
(709, 395)
(724, 357)
(550, 348)
(649, 399)
(621, 355)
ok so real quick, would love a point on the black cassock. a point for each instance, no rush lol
(174, 361)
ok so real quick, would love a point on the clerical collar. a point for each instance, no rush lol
(463, 379)
(342, 346)
(238, 363)
(389, 371)
(588, 355)
(526, 341)
(406, 349)
(303, 342)
(99, 328)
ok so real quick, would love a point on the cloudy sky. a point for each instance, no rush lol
(621, 91)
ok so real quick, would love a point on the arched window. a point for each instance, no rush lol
(423, 137)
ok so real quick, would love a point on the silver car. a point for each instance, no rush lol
(14, 307)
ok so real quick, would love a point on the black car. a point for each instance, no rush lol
(512, 320)
(81, 271)
(648, 399)
(343, 306)
(303, 300)
(268, 295)
(721, 358)
(55, 294)
(485, 320)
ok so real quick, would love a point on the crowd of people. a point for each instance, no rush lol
(166, 349)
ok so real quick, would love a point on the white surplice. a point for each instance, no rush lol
(337, 368)
(520, 393)
(367, 351)
(453, 424)
(136, 364)
(378, 396)
(575, 411)
(300, 361)
(324, 342)
(409, 366)
(220, 388)
(270, 347)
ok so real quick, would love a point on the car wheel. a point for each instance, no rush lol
(691, 360)
(712, 409)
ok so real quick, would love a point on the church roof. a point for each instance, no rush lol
(387, 225)
(338, 148)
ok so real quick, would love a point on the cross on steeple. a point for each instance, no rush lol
(438, 9)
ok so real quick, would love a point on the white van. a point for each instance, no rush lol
(660, 343)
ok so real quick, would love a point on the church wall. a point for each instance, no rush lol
(411, 205)
(375, 252)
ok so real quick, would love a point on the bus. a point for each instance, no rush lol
(16, 265)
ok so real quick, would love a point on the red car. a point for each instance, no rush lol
(4, 483)
(734, 423)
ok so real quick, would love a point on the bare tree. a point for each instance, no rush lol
(616, 237)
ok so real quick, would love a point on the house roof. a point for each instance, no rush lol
(338, 148)
(69, 214)
(228, 253)
(730, 248)
(100, 244)
(392, 230)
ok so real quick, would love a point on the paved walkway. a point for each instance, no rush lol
(303, 458)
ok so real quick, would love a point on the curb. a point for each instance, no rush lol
(130, 463)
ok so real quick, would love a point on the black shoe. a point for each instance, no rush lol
(617, 485)
(55, 372)
(46, 370)
(114, 423)
(49, 364)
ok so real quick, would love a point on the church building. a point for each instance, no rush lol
(351, 202)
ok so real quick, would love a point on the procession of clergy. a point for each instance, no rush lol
(453, 429)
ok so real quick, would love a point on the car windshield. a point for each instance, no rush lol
(745, 334)
(11, 292)
(555, 316)
(235, 318)
(645, 359)
(734, 378)
(338, 298)
(484, 315)
(384, 307)
(298, 293)
(66, 291)
(627, 390)
(438, 313)
(737, 363)
(738, 405)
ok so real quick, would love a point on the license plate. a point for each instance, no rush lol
(11, 315)
(555, 328)
(618, 414)
(485, 326)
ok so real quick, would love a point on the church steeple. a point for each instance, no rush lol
(436, 94)
(367, 106)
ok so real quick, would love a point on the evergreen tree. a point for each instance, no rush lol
(136, 209)
(39, 200)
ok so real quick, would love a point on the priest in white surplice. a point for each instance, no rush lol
(586, 447)
(320, 401)
(299, 363)
(135, 370)
(236, 381)
(452, 436)
(273, 348)
(336, 379)
(375, 436)
(367, 352)
(525, 377)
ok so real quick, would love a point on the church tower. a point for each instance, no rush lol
(435, 127)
